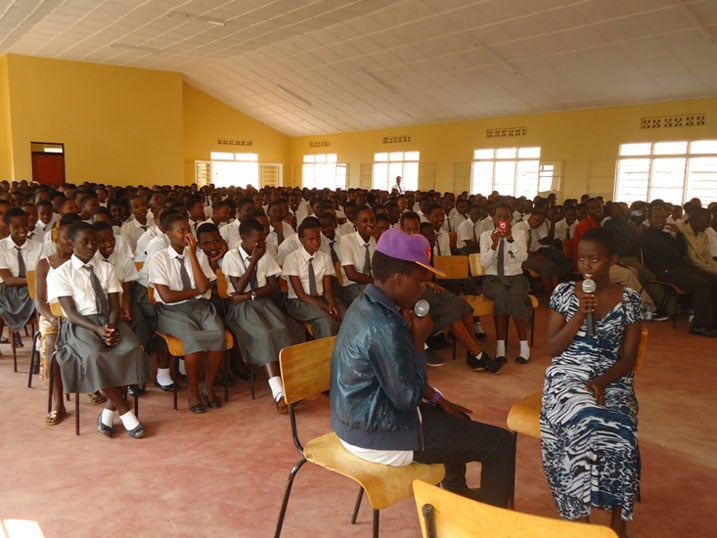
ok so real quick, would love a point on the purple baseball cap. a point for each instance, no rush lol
(409, 247)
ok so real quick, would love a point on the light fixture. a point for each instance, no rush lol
(127, 46)
(510, 67)
(188, 16)
(287, 91)
(701, 28)
(377, 79)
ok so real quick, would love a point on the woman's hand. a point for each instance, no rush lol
(239, 298)
(597, 390)
(258, 251)
(191, 244)
(454, 409)
(587, 301)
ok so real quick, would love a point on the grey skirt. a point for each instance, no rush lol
(195, 323)
(350, 292)
(16, 306)
(509, 295)
(88, 365)
(446, 307)
(262, 330)
(144, 320)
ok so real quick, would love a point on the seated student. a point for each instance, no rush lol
(279, 230)
(468, 233)
(437, 217)
(502, 254)
(551, 265)
(195, 209)
(138, 224)
(565, 228)
(102, 214)
(45, 219)
(18, 254)
(262, 330)
(88, 204)
(356, 250)
(310, 272)
(32, 220)
(183, 289)
(211, 245)
(95, 349)
(382, 224)
(379, 381)
(698, 247)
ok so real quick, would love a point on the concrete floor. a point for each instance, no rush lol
(223, 473)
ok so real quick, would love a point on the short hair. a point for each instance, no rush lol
(431, 208)
(384, 266)
(250, 225)
(409, 215)
(193, 200)
(361, 208)
(207, 228)
(79, 227)
(87, 197)
(505, 205)
(328, 215)
(604, 237)
(426, 226)
(101, 226)
(68, 219)
(102, 211)
(42, 203)
(382, 218)
(307, 224)
(12, 213)
(166, 214)
(169, 220)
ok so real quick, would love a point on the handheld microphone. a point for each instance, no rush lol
(589, 287)
(421, 308)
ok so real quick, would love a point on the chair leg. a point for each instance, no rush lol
(52, 383)
(252, 382)
(511, 501)
(354, 516)
(77, 413)
(375, 523)
(35, 336)
(285, 501)
(14, 349)
(136, 405)
(532, 327)
(174, 397)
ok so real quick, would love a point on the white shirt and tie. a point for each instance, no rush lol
(236, 262)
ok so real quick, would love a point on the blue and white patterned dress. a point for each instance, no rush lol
(590, 452)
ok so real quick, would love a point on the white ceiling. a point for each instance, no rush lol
(366, 64)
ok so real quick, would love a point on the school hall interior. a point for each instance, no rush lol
(342, 94)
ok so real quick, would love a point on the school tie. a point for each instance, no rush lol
(567, 232)
(334, 256)
(367, 261)
(475, 236)
(143, 227)
(312, 279)
(254, 283)
(21, 269)
(103, 307)
(501, 257)
(186, 281)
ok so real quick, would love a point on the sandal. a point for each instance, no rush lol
(97, 398)
(55, 417)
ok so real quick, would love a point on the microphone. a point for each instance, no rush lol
(421, 308)
(589, 287)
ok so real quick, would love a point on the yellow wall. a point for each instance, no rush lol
(585, 141)
(6, 171)
(119, 125)
(208, 120)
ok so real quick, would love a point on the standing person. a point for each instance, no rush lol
(184, 311)
(95, 350)
(398, 187)
(382, 406)
(589, 415)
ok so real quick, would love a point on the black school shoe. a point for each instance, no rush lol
(102, 428)
(438, 341)
(432, 358)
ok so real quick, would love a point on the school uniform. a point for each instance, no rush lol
(353, 251)
(143, 241)
(297, 264)
(504, 282)
(443, 244)
(41, 228)
(262, 330)
(468, 231)
(289, 245)
(132, 230)
(273, 237)
(563, 230)
(194, 321)
(331, 248)
(86, 363)
(230, 234)
(140, 297)
(16, 306)
(454, 220)
(346, 228)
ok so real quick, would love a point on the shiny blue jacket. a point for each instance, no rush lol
(377, 377)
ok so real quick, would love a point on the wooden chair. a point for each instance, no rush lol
(306, 373)
(31, 281)
(524, 415)
(175, 346)
(443, 513)
(56, 310)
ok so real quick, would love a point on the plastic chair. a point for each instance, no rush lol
(305, 373)
(443, 513)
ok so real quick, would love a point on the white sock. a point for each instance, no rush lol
(129, 421)
(277, 391)
(108, 417)
(180, 367)
(163, 377)
(524, 349)
(500, 348)
(425, 346)
(477, 327)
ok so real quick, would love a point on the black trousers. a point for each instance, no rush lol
(455, 441)
(702, 287)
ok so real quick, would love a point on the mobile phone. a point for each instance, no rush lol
(502, 227)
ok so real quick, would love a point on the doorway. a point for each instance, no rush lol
(48, 162)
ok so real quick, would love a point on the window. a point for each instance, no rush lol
(235, 169)
(321, 171)
(386, 166)
(672, 171)
(510, 171)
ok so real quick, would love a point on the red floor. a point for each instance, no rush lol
(223, 473)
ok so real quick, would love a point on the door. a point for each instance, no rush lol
(48, 162)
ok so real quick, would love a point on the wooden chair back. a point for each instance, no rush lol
(306, 368)
(139, 265)
(453, 239)
(568, 248)
(56, 309)
(30, 276)
(339, 273)
(443, 513)
(475, 266)
(222, 285)
(455, 267)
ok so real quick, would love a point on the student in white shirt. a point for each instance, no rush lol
(95, 349)
(46, 218)
(502, 255)
(565, 228)
(279, 229)
(262, 330)
(310, 273)
(138, 224)
(183, 289)
(18, 254)
(468, 234)
(437, 217)
(355, 251)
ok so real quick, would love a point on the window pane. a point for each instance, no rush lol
(251, 157)
(395, 156)
(331, 158)
(484, 154)
(221, 156)
(308, 158)
(505, 153)
(410, 176)
(702, 179)
(635, 149)
(380, 176)
(632, 176)
(504, 181)
(482, 177)
(667, 180)
(527, 179)
(529, 153)
(545, 178)
(670, 148)
(307, 175)
(380, 156)
(704, 146)
(412, 156)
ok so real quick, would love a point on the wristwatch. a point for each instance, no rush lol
(253, 295)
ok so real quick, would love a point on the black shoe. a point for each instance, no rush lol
(168, 388)
(475, 363)
(432, 358)
(481, 336)
(492, 366)
(198, 407)
(438, 341)
(216, 403)
(137, 432)
(501, 360)
(139, 390)
(522, 360)
(102, 428)
(703, 331)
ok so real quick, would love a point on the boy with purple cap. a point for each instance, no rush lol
(382, 407)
